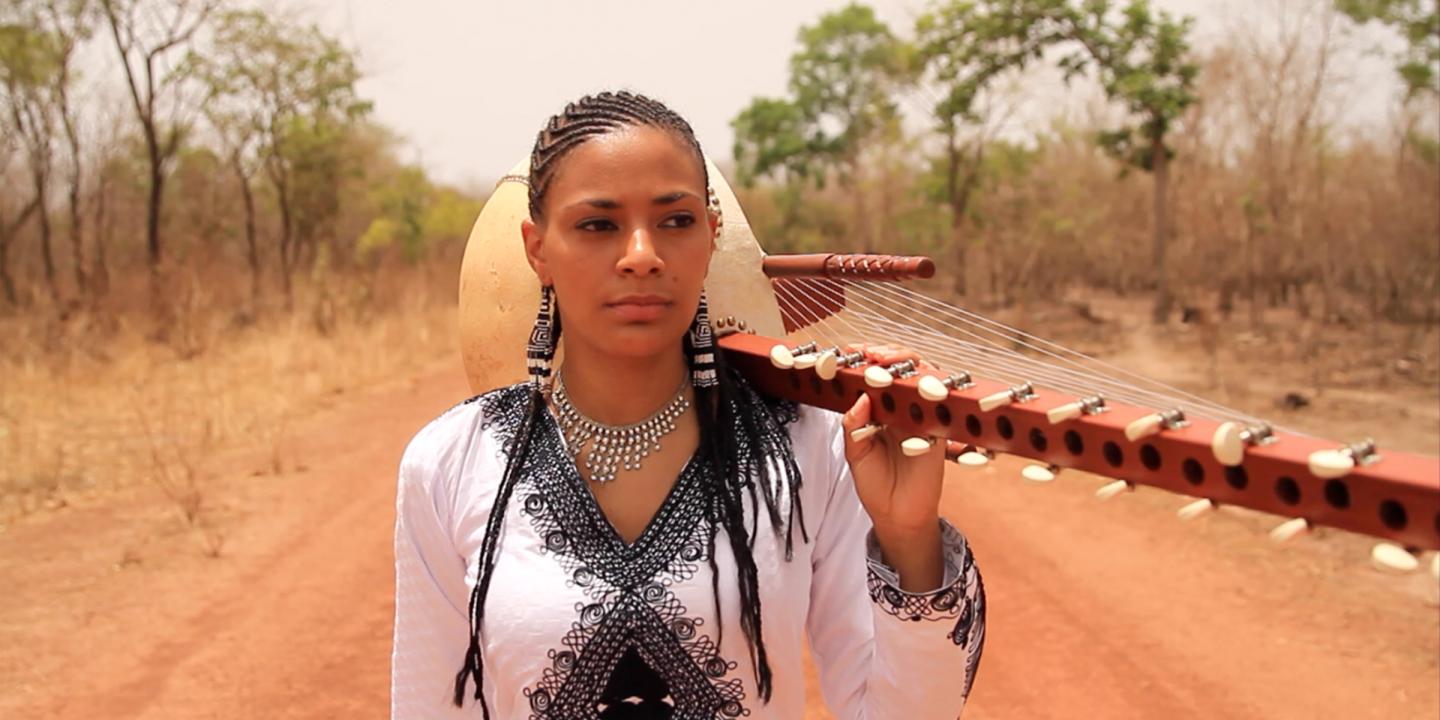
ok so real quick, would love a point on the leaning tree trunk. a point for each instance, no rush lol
(7, 234)
(42, 196)
(77, 228)
(154, 247)
(100, 273)
(287, 223)
(1160, 167)
(252, 252)
(77, 237)
(152, 211)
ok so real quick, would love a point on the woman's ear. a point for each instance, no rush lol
(535, 250)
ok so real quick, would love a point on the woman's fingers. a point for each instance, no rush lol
(860, 435)
(885, 354)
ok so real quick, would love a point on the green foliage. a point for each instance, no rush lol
(1418, 22)
(289, 90)
(962, 45)
(415, 215)
(842, 80)
(29, 57)
(1141, 57)
(265, 74)
(450, 216)
(770, 139)
(36, 40)
(1426, 147)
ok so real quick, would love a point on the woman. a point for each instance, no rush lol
(643, 535)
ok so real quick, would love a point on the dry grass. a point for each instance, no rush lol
(103, 400)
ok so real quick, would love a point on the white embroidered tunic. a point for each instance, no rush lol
(579, 624)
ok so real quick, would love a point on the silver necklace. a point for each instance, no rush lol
(615, 445)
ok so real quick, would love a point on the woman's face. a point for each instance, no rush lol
(625, 239)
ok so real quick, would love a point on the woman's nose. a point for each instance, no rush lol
(640, 256)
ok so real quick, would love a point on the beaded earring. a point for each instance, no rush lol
(541, 351)
(702, 348)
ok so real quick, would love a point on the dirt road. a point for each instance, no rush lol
(109, 608)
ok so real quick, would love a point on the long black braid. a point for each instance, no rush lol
(758, 451)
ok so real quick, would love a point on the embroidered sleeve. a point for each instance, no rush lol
(946, 602)
(882, 652)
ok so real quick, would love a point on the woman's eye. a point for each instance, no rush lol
(597, 225)
(679, 221)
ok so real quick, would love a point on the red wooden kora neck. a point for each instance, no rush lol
(1393, 495)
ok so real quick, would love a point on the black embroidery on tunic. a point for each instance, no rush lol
(963, 601)
(633, 650)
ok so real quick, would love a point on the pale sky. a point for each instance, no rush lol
(469, 82)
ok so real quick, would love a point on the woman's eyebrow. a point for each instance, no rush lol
(669, 198)
(608, 204)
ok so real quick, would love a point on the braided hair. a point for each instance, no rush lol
(739, 436)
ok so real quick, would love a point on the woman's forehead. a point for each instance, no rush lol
(630, 160)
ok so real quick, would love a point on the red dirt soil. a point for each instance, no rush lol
(111, 608)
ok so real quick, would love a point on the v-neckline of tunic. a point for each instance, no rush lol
(576, 482)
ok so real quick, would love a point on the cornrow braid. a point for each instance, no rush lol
(594, 115)
(720, 410)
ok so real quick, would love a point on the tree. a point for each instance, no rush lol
(842, 80)
(770, 139)
(28, 61)
(10, 226)
(70, 23)
(150, 38)
(1418, 21)
(1141, 58)
(237, 120)
(283, 98)
(962, 47)
(405, 204)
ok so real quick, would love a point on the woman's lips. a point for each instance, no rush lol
(639, 308)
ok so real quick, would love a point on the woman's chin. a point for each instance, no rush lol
(640, 340)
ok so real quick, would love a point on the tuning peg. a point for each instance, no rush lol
(1195, 509)
(1039, 473)
(825, 365)
(878, 376)
(1391, 558)
(915, 446)
(1231, 438)
(864, 433)
(1114, 489)
(1336, 463)
(1019, 393)
(975, 456)
(935, 389)
(784, 357)
(1069, 411)
(1153, 423)
(805, 362)
(828, 363)
(1289, 530)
